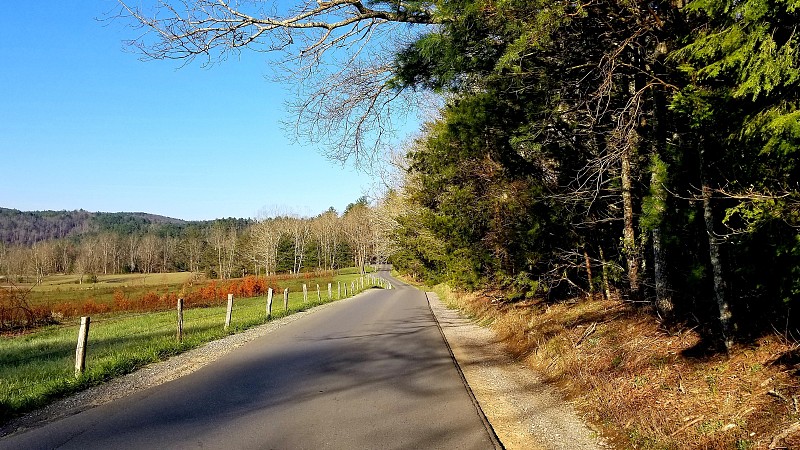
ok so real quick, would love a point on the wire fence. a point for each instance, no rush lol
(39, 365)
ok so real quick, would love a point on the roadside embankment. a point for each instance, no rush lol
(633, 381)
(524, 412)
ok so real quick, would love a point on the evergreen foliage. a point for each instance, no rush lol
(568, 125)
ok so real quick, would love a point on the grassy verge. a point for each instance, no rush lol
(632, 380)
(37, 368)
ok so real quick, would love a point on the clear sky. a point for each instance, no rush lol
(86, 125)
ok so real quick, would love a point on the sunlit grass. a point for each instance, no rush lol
(38, 367)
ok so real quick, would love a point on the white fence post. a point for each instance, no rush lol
(80, 350)
(330, 292)
(229, 313)
(269, 303)
(286, 299)
(180, 320)
(305, 293)
(319, 296)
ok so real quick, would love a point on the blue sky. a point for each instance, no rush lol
(86, 125)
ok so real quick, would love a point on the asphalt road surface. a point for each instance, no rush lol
(370, 373)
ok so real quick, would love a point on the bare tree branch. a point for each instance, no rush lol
(338, 54)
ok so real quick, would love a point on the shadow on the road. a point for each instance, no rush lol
(382, 384)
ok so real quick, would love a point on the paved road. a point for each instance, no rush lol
(371, 372)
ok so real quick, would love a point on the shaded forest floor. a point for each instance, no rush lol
(631, 379)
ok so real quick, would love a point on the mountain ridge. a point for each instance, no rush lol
(28, 227)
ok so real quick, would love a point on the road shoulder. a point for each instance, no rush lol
(151, 375)
(524, 412)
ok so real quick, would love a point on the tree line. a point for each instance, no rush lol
(647, 148)
(640, 148)
(224, 248)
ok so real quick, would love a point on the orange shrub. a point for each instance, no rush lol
(149, 301)
(121, 302)
(91, 306)
(209, 291)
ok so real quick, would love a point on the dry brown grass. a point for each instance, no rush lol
(629, 378)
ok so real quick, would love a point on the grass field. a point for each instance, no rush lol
(61, 297)
(37, 367)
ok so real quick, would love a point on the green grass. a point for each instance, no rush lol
(37, 368)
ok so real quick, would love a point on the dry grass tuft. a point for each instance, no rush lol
(630, 379)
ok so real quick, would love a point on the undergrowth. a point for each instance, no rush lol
(631, 379)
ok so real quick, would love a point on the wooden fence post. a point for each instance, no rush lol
(362, 282)
(180, 320)
(269, 303)
(319, 296)
(330, 292)
(339, 288)
(345, 289)
(230, 311)
(286, 299)
(305, 293)
(353, 287)
(80, 350)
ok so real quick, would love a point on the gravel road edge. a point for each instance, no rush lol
(524, 412)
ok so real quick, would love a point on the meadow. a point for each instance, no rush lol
(37, 366)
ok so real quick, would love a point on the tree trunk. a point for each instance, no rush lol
(664, 303)
(629, 230)
(606, 288)
(590, 291)
(716, 265)
(658, 178)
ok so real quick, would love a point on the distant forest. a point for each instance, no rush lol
(40, 243)
(29, 227)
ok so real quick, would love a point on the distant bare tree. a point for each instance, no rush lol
(229, 246)
(108, 248)
(169, 245)
(299, 230)
(266, 236)
(223, 240)
(384, 224)
(327, 232)
(148, 252)
(358, 230)
(3, 259)
(88, 260)
(193, 246)
(42, 259)
(17, 261)
(216, 237)
(133, 245)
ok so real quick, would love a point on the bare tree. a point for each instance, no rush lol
(108, 248)
(3, 259)
(148, 252)
(337, 53)
(17, 261)
(358, 230)
(43, 258)
(169, 245)
(266, 235)
(216, 237)
(384, 224)
(299, 230)
(193, 246)
(133, 245)
(326, 231)
(229, 246)
(88, 260)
